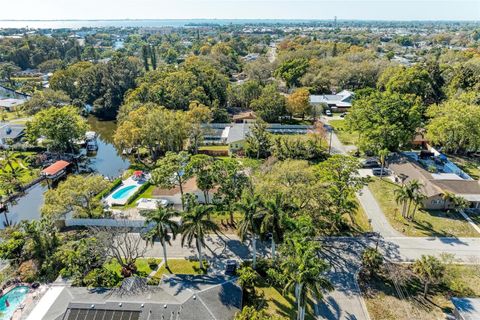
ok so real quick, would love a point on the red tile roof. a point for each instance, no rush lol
(55, 168)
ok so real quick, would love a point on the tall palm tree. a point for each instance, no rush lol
(305, 273)
(272, 219)
(250, 206)
(163, 223)
(417, 200)
(401, 197)
(195, 225)
(413, 192)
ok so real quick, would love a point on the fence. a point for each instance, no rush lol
(113, 223)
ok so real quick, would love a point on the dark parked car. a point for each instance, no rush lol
(231, 267)
(343, 114)
(371, 163)
(380, 172)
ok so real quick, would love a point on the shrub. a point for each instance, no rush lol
(139, 191)
(102, 277)
(152, 263)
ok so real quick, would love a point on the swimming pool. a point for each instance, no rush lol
(124, 193)
(14, 297)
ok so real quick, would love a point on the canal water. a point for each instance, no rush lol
(108, 161)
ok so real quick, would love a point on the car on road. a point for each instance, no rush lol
(370, 163)
(231, 267)
(380, 172)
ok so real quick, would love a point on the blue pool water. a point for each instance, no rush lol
(14, 297)
(123, 193)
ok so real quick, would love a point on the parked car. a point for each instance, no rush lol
(379, 172)
(371, 163)
(231, 267)
(328, 113)
(343, 114)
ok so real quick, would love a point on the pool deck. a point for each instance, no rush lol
(126, 183)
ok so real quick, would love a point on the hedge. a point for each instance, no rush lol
(140, 190)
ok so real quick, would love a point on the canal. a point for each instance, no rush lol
(108, 161)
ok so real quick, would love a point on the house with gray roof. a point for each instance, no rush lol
(10, 133)
(179, 297)
(339, 102)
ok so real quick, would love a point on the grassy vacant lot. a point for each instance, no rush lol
(342, 132)
(383, 302)
(470, 165)
(142, 266)
(180, 266)
(427, 223)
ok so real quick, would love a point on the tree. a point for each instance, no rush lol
(203, 168)
(7, 69)
(430, 270)
(292, 70)
(402, 197)
(270, 105)
(298, 103)
(45, 99)
(161, 223)
(304, 271)
(249, 225)
(258, 141)
(61, 126)
(171, 171)
(231, 182)
(250, 313)
(76, 195)
(383, 154)
(274, 211)
(454, 125)
(198, 115)
(386, 120)
(372, 260)
(195, 225)
(122, 246)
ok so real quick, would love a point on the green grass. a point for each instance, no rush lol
(280, 305)
(427, 223)
(148, 194)
(343, 133)
(360, 220)
(470, 165)
(214, 148)
(383, 303)
(180, 266)
(142, 266)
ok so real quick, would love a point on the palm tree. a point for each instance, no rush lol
(250, 223)
(430, 270)
(195, 225)
(413, 190)
(401, 197)
(417, 200)
(8, 158)
(305, 273)
(272, 220)
(382, 154)
(162, 221)
(447, 198)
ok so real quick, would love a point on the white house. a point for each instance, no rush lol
(339, 102)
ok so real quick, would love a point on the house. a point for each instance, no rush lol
(175, 196)
(11, 104)
(179, 297)
(438, 176)
(10, 133)
(466, 308)
(339, 102)
(247, 116)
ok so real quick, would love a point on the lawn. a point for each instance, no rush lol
(343, 133)
(360, 220)
(279, 305)
(145, 194)
(383, 303)
(470, 165)
(214, 148)
(427, 223)
(142, 266)
(180, 266)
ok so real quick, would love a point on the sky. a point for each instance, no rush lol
(240, 9)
